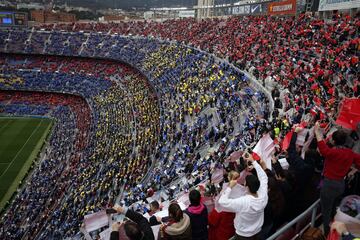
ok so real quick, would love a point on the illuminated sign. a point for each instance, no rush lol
(13, 19)
(6, 18)
(286, 8)
(249, 9)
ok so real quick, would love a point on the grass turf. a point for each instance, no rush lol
(21, 140)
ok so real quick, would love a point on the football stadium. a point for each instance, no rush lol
(180, 119)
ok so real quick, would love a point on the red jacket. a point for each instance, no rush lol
(337, 160)
(221, 225)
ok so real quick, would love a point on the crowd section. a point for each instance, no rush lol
(104, 143)
(212, 124)
(304, 55)
(203, 105)
(49, 179)
(197, 115)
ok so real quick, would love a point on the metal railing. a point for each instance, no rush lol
(312, 209)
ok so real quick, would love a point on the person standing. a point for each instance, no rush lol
(198, 214)
(248, 209)
(137, 228)
(337, 163)
(154, 208)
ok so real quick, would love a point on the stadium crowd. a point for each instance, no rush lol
(47, 68)
(301, 55)
(39, 191)
(196, 113)
(113, 108)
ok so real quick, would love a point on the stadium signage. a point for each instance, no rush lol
(9, 19)
(329, 5)
(249, 9)
(188, 13)
(285, 8)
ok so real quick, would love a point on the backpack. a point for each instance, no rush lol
(312, 234)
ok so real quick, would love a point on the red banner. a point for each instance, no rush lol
(349, 115)
(282, 8)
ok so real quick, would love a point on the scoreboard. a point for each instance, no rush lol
(12, 19)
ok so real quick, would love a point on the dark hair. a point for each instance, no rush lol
(194, 197)
(278, 170)
(253, 183)
(175, 212)
(132, 230)
(339, 137)
(155, 204)
(311, 155)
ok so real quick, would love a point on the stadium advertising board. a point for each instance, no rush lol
(6, 19)
(20, 19)
(329, 5)
(249, 9)
(282, 8)
(188, 13)
(9, 19)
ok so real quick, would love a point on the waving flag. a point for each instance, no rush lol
(349, 115)
(264, 149)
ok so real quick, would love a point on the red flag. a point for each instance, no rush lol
(333, 235)
(349, 115)
(255, 156)
(286, 140)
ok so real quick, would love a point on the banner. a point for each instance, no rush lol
(349, 115)
(283, 8)
(265, 148)
(95, 221)
(329, 5)
(217, 176)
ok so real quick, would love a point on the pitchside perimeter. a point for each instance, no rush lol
(21, 140)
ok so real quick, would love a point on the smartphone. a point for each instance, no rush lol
(110, 211)
(119, 218)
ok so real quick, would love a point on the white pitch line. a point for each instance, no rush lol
(17, 154)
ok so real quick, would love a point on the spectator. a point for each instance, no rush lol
(198, 214)
(249, 209)
(274, 210)
(154, 208)
(179, 226)
(221, 225)
(303, 172)
(338, 160)
(136, 229)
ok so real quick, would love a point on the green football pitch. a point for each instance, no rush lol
(21, 140)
